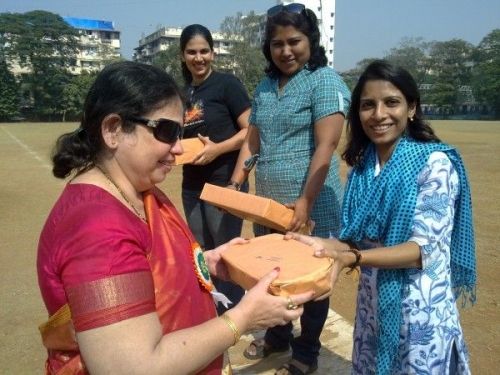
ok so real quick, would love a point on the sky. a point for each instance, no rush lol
(364, 28)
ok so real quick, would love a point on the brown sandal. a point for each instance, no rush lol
(262, 350)
(294, 370)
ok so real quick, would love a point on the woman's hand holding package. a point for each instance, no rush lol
(213, 258)
(332, 248)
(258, 309)
(302, 210)
(209, 153)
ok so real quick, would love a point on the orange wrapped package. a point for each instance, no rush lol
(300, 271)
(191, 146)
(260, 210)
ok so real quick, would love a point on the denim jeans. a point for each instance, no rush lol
(306, 346)
(211, 228)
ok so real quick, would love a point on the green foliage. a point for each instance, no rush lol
(46, 45)
(486, 71)
(351, 76)
(37, 39)
(248, 64)
(74, 94)
(46, 86)
(246, 28)
(170, 61)
(411, 55)
(449, 66)
(9, 98)
(246, 60)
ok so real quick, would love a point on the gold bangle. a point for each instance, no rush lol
(232, 326)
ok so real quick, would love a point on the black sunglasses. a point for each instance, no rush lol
(164, 130)
(291, 8)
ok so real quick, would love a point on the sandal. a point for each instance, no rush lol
(292, 369)
(262, 349)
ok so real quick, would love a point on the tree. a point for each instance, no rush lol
(9, 98)
(450, 65)
(486, 72)
(169, 60)
(244, 28)
(44, 44)
(411, 55)
(74, 94)
(246, 59)
(351, 76)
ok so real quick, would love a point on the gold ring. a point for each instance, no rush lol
(290, 304)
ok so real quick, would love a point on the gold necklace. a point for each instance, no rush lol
(110, 180)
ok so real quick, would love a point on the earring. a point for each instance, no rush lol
(411, 119)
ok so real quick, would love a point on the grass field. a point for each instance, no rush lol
(28, 190)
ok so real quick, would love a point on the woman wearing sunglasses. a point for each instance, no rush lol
(217, 113)
(295, 125)
(126, 286)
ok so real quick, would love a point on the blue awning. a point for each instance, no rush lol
(88, 24)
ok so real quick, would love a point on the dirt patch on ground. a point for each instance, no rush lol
(27, 192)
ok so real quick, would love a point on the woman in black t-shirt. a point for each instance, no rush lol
(217, 113)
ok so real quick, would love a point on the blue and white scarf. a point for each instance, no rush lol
(382, 209)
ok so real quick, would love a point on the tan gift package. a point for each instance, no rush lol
(191, 146)
(300, 271)
(260, 210)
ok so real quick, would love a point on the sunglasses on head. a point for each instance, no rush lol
(291, 8)
(164, 130)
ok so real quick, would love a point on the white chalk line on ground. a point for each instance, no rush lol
(27, 149)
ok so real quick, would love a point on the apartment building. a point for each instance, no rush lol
(325, 11)
(99, 43)
(151, 45)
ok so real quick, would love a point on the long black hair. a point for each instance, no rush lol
(188, 33)
(418, 128)
(125, 88)
(307, 23)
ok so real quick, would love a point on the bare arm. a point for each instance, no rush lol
(137, 346)
(405, 255)
(250, 146)
(327, 132)
(213, 150)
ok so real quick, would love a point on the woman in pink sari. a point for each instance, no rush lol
(126, 286)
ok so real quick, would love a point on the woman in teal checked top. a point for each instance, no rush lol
(296, 122)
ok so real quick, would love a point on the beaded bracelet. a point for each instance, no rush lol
(232, 326)
(357, 262)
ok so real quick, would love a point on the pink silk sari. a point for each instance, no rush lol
(179, 298)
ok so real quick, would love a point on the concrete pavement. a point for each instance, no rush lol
(335, 355)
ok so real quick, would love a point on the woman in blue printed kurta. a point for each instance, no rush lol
(407, 207)
(295, 126)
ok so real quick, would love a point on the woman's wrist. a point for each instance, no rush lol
(234, 184)
(355, 257)
(238, 316)
(232, 326)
